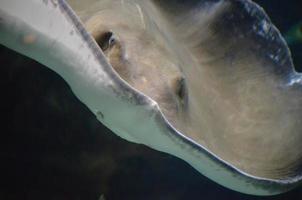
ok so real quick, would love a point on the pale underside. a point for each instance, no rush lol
(227, 84)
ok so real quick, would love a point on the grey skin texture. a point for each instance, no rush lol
(220, 72)
(243, 97)
(211, 82)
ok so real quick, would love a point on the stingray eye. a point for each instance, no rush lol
(106, 40)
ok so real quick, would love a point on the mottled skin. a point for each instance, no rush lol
(226, 82)
(140, 59)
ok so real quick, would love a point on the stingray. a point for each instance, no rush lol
(209, 81)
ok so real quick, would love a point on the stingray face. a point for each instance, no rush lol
(139, 58)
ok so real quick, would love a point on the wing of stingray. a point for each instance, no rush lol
(49, 32)
(239, 70)
(243, 93)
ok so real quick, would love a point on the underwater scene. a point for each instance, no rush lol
(57, 144)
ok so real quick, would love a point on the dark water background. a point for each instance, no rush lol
(52, 148)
